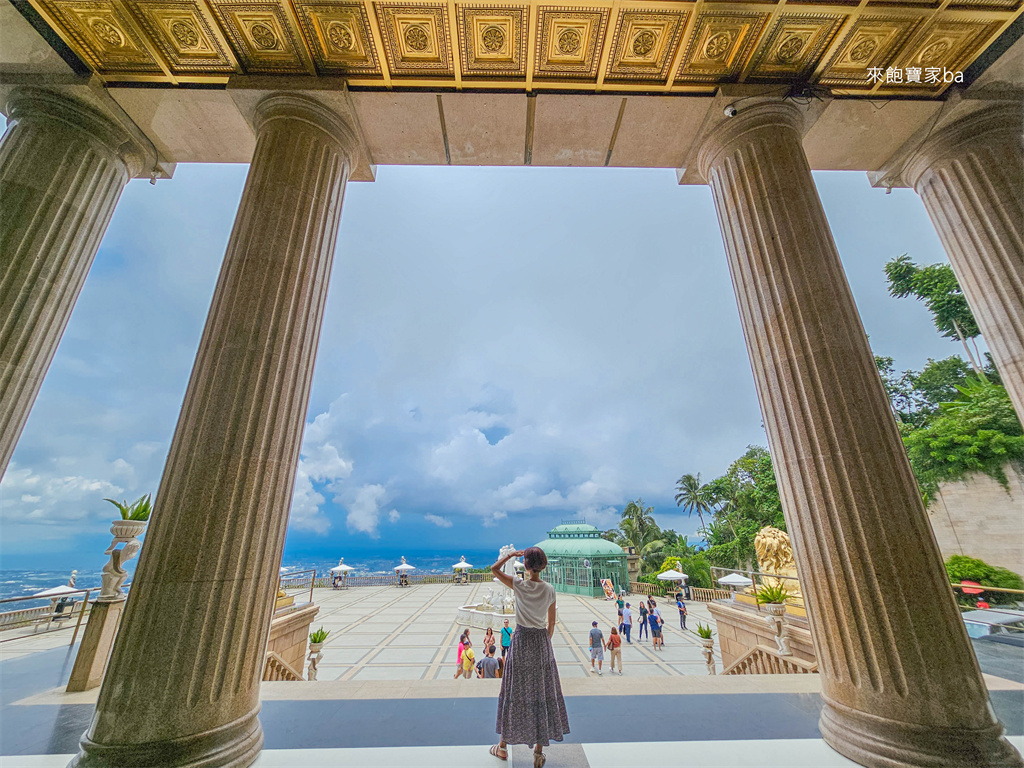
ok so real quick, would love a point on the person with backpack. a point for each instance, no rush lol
(682, 612)
(506, 638)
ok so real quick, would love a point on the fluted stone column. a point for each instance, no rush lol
(62, 168)
(900, 682)
(970, 176)
(182, 686)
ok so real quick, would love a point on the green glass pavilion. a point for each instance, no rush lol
(578, 558)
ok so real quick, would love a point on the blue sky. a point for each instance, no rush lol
(502, 349)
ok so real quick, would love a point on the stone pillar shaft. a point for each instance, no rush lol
(62, 170)
(971, 179)
(899, 679)
(182, 687)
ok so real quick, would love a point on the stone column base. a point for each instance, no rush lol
(877, 742)
(234, 745)
(97, 641)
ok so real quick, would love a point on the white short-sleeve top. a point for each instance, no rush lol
(532, 601)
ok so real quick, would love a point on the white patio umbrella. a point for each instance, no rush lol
(672, 575)
(462, 565)
(735, 580)
(341, 567)
(404, 566)
(519, 565)
(63, 589)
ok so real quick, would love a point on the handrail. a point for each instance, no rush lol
(36, 616)
(297, 576)
(755, 576)
(386, 579)
(276, 668)
(705, 595)
(983, 588)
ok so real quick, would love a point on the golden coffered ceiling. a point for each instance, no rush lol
(611, 45)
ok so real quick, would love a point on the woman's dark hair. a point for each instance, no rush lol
(534, 559)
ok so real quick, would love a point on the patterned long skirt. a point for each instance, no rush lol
(531, 709)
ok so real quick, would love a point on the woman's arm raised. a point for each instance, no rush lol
(499, 574)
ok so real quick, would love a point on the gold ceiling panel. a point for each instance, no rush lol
(185, 33)
(263, 36)
(871, 43)
(493, 40)
(644, 44)
(793, 45)
(720, 44)
(667, 46)
(569, 41)
(339, 37)
(104, 35)
(416, 39)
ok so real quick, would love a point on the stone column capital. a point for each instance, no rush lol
(29, 103)
(771, 116)
(994, 125)
(292, 106)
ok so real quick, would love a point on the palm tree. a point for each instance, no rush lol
(646, 542)
(643, 517)
(694, 497)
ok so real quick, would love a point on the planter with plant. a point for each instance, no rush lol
(773, 598)
(708, 649)
(317, 639)
(126, 532)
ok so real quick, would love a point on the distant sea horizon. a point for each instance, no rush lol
(23, 582)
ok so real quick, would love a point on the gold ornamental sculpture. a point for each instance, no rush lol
(775, 558)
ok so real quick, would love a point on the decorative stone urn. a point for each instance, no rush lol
(126, 533)
(708, 649)
(314, 659)
(775, 621)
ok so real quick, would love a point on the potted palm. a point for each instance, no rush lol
(134, 517)
(704, 633)
(317, 639)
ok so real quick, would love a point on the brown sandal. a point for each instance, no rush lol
(498, 752)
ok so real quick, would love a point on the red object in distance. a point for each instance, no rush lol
(982, 604)
(968, 591)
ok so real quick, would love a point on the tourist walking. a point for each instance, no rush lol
(682, 613)
(458, 656)
(488, 666)
(596, 648)
(468, 658)
(488, 639)
(506, 638)
(654, 617)
(618, 621)
(627, 622)
(620, 600)
(614, 646)
(531, 709)
(643, 621)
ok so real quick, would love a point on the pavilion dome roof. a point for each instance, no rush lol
(577, 539)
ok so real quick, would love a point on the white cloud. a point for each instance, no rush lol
(53, 499)
(438, 520)
(393, 516)
(364, 510)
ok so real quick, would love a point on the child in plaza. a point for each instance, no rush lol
(468, 658)
(531, 709)
(458, 656)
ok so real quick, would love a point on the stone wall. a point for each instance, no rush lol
(741, 627)
(978, 518)
(289, 633)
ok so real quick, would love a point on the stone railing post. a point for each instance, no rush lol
(182, 687)
(900, 682)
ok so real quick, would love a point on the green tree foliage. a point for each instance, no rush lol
(977, 432)
(915, 396)
(693, 496)
(937, 287)
(961, 568)
(696, 566)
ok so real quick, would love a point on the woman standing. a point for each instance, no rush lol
(531, 709)
(643, 620)
(614, 646)
(488, 640)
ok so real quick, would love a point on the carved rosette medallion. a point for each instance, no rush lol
(107, 32)
(569, 42)
(789, 49)
(718, 45)
(340, 36)
(644, 42)
(263, 36)
(862, 51)
(935, 51)
(185, 34)
(493, 39)
(417, 38)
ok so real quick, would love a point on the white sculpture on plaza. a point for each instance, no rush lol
(497, 603)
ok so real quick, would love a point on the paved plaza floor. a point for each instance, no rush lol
(386, 697)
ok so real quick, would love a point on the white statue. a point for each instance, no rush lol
(488, 599)
(74, 576)
(114, 574)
